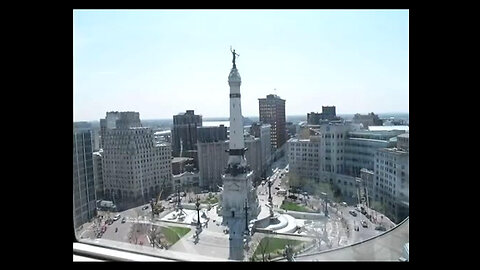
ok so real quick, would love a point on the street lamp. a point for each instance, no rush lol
(197, 204)
(325, 201)
(269, 190)
(246, 215)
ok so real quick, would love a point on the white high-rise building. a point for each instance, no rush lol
(392, 180)
(135, 167)
(321, 155)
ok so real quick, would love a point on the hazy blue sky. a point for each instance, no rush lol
(162, 62)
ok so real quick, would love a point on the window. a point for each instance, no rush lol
(186, 96)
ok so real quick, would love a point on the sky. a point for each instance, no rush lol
(163, 62)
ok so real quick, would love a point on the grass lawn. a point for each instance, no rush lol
(294, 207)
(274, 245)
(210, 200)
(173, 234)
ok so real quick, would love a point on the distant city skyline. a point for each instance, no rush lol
(163, 62)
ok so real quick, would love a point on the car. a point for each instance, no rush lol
(364, 224)
(145, 207)
(124, 219)
(344, 204)
(116, 217)
(380, 228)
(353, 213)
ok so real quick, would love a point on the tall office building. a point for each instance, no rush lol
(213, 158)
(184, 132)
(135, 167)
(360, 148)
(212, 134)
(367, 120)
(392, 182)
(319, 156)
(83, 179)
(112, 119)
(272, 111)
(97, 174)
(328, 114)
(263, 132)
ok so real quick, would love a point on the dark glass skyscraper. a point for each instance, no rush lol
(184, 133)
(83, 181)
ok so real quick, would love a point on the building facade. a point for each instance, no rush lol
(367, 120)
(403, 142)
(129, 119)
(186, 180)
(263, 132)
(84, 198)
(392, 182)
(97, 174)
(212, 134)
(181, 165)
(135, 167)
(213, 159)
(360, 148)
(272, 111)
(184, 132)
(321, 156)
(328, 114)
(368, 185)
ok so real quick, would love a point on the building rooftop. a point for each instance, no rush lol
(181, 159)
(385, 128)
(393, 150)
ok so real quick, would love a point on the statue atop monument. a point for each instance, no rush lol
(234, 53)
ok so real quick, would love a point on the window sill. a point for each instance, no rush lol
(86, 252)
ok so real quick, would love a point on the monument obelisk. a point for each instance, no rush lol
(238, 190)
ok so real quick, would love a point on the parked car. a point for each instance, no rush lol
(353, 213)
(145, 207)
(364, 224)
(116, 217)
(124, 219)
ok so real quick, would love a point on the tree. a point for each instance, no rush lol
(296, 181)
(132, 234)
(377, 206)
(262, 247)
(154, 234)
